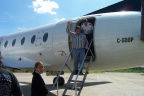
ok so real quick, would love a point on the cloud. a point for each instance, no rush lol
(44, 6)
(59, 19)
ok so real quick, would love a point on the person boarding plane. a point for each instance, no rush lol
(117, 42)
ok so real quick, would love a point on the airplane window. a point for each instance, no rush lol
(33, 39)
(14, 41)
(45, 37)
(23, 40)
(6, 43)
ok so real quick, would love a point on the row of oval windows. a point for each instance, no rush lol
(45, 37)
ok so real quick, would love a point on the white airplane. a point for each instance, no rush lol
(116, 39)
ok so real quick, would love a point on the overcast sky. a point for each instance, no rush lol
(28, 14)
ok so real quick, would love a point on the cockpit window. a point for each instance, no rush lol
(33, 39)
(23, 40)
(14, 41)
(45, 37)
(6, 43)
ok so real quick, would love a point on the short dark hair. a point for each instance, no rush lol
(78, 27)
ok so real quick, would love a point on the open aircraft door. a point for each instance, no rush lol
(78, 22)
(73, 28)
(60, 42)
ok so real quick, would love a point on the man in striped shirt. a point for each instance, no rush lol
(79, 44)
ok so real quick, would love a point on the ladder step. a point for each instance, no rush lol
(88, 57)
(69, 88)
(76, 81)
(86, 62)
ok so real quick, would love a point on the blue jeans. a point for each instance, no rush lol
(78, 56)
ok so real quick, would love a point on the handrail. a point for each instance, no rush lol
(82, 64)
(92, 54)
(62, 68)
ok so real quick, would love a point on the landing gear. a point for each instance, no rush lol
(61, 81)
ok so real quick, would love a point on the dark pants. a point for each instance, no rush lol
(89, 38)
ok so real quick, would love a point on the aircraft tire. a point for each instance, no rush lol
(61, 81)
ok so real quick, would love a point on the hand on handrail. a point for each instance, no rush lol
(86, 47)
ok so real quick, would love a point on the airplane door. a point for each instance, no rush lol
(60, 42)
(79, 22)
(72, 27)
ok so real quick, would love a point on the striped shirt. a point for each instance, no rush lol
(78, 41)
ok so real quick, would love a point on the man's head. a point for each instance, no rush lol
(85, 22)
(78, 30)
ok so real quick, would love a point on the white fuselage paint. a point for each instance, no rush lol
(110, 55)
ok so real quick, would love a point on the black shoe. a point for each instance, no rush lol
(75, 72)
(81, 73)
(87, 72)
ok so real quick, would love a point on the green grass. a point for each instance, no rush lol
(131, 70)
(142, 74)
(89, 72)
(98, 72)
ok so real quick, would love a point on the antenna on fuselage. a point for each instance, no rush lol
(19, 29)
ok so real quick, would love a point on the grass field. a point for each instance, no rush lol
(131, 70)
(142, 74)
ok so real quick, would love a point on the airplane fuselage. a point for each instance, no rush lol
(116, 38)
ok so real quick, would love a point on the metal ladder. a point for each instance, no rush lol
(72, 73)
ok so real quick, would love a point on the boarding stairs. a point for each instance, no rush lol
(72, 83)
